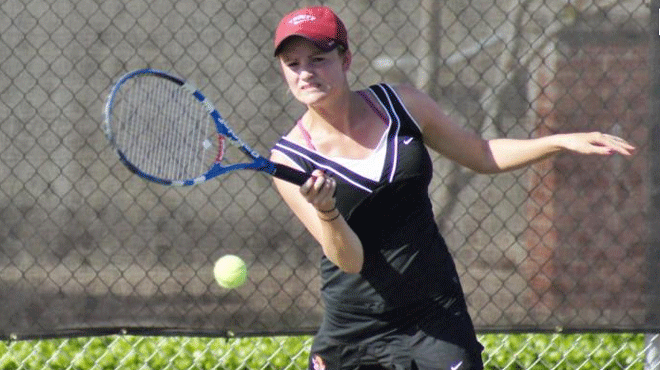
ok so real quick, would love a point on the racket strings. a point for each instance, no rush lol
(163, 130)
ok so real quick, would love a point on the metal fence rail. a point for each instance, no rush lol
(87, 248)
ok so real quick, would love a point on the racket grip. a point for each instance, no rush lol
(289, 174)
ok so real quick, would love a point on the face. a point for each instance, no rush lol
(311, 73)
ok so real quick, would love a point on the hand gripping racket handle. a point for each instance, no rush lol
(290, 174)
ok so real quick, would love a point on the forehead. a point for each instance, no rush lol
(298, 45)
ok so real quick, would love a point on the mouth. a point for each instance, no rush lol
(310, 86)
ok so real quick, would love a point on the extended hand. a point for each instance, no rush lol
(596, 143)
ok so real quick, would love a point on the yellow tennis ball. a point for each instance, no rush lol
(230, 271)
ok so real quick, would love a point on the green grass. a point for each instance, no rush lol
(518, 351)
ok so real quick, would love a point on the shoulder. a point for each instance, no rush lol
(422, 107)
(295, 135)
(413, 98)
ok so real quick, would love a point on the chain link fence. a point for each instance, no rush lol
(88, 249)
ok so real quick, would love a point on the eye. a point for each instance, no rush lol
(290, 62)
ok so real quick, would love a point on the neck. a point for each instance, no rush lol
(334, 115)
(346, 128)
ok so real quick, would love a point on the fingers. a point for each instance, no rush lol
(315, 183)
(319, 190)
(614, 144)
(597, 143)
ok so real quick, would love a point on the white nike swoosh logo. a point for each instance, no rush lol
(457, 366)
(406, 142)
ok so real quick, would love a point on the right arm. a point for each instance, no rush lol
(314, 205)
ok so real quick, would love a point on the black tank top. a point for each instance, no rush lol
(405, 257)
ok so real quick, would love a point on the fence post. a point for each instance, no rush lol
(653, 255)
(427, 76)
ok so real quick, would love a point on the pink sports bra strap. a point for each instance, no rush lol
(305, 134)
(365, 96)
(380, 114)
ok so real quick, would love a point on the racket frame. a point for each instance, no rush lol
(259, 163)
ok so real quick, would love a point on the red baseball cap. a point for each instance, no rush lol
(318, 24)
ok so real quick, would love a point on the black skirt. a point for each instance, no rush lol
(431, 334)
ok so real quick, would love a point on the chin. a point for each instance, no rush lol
(311, 98)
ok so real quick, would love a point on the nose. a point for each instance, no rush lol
(306, 72)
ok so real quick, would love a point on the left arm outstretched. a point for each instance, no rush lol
(499, 155)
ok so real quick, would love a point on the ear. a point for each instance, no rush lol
(348, 58)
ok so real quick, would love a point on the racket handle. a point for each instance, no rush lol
(290, 174)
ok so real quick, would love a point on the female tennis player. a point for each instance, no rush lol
(389, 285)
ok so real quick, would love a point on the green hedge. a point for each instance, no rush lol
(519, 351)
(556, 351)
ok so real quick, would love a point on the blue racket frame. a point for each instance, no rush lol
(259, 163)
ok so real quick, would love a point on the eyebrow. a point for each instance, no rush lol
(316, 52)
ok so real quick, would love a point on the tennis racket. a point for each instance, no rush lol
(166, 131)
